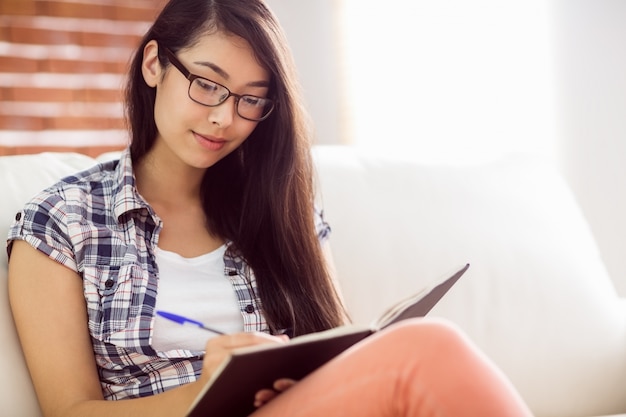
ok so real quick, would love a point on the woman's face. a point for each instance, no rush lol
(197, 135)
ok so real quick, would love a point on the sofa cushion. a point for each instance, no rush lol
(536, 298)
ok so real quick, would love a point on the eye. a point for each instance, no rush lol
(252, 101)
(207, 86)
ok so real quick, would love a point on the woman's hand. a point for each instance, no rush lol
(266, 395)
(220, 347)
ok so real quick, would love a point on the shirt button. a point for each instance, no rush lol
(109, 283)
(250, 308)
(18, 216)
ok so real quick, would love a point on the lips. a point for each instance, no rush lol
(210, 142)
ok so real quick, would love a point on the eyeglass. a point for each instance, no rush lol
(209, 93)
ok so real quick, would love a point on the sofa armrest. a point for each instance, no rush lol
(22, 177)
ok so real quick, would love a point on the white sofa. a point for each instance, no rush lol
(537, 298)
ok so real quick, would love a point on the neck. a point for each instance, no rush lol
(166, 181)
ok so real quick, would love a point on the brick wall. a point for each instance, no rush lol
(62, 70)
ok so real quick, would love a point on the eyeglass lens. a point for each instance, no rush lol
(210, 93)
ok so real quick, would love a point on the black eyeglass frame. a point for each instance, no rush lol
(192, 77)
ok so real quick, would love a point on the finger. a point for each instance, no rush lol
(263, 397)
(283, 384)
(219, 348)
(238, 340)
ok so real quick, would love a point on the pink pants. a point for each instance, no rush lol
(419, 367)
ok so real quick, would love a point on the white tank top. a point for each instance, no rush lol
(196, 288)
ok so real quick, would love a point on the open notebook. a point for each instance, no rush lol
(231, 390)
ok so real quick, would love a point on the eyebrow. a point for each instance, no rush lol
(226, 76)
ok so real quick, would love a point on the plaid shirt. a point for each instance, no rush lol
(98, 225)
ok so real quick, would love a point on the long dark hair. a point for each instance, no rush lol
(261, 195)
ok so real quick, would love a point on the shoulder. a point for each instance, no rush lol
(61, 217)
(81, 191)
(98, 180)
(77, 196)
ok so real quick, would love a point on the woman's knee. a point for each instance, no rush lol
(422, 329)
(426, 337)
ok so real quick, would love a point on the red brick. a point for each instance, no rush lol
(140, 10)
(109, 39)
(98, 95)
(34, 123)
(35, 36)
(117, 67)
(81, 67)
(88, 123)
(123, 66)
(6, 94)
(71, 66)
(21, 123)
(42, 94)
(147, 13)
(4, 29)
(18, 7)
(70, 9)
(17, 64)
(92, 151)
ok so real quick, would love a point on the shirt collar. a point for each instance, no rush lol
(126, 198)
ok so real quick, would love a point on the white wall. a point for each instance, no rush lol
(586, 128)
(311, 30)
(590, 64)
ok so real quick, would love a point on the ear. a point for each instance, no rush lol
(150, 66)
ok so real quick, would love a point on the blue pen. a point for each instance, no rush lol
(184, 320)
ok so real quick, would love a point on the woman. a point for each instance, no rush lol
(209, 213)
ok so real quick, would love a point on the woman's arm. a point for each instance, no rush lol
(51, 318)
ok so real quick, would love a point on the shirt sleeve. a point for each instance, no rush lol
(321, 226)
(43, 224)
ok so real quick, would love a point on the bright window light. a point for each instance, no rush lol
(448, 79)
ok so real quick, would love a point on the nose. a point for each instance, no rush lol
(223, 114)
